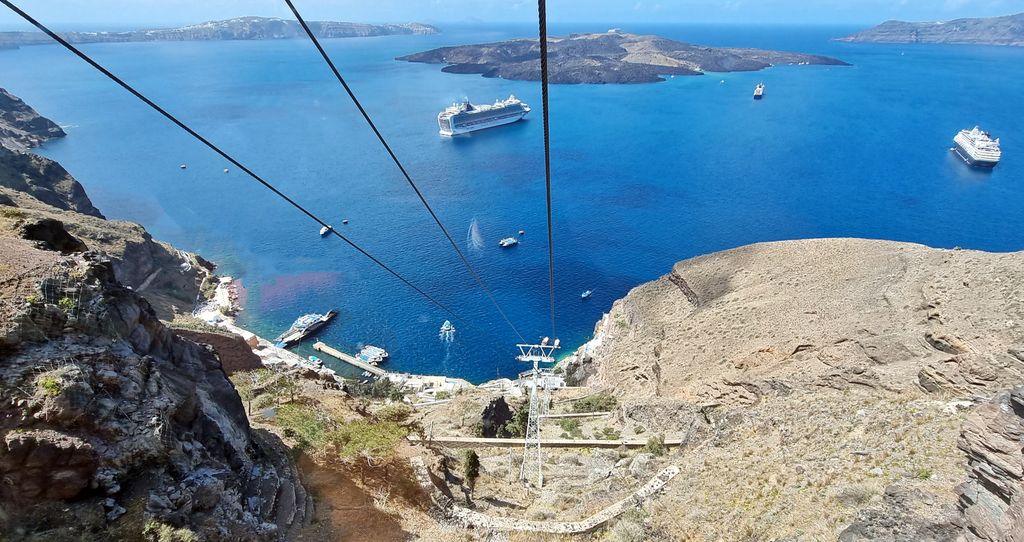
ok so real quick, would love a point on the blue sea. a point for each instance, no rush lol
(643, 175)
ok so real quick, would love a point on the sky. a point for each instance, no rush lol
(119, 14)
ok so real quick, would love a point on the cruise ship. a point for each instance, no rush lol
(977, 148)
(463, 118)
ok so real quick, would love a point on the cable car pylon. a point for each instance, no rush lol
(536, 354)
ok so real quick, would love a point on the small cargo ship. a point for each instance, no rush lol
(977, 148)
(302, 327)
(759, 91)
(464, 117)
(508, 242)
(372, 354)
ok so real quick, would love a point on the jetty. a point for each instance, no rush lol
(320, 346)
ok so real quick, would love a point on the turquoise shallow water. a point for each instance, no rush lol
(644, 175)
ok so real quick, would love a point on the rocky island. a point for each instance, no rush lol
(609, 57)
(239, 28)
(1006, 30)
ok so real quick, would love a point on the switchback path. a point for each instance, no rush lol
(471, 519)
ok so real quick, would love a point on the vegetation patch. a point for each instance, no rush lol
(161, 532)
(322, 435)
(571, 428)
(14, 214)
(50, 384)
(599, 402)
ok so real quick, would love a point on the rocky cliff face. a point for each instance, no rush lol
(21, 129)
(40, 199)
(109, 422)
(821, 386)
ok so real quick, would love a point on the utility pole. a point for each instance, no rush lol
(536, 354)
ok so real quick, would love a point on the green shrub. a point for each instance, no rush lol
(516, 427)
(32, 299)
(599, 402)
(656, 445)
(471, 468)
(924, 473)
(442, 395)
(66, 303)
(571, 428)
(161, 532)
(50, 385)
(397, 413)
(639, 430)
(9, 212)
(608, 433)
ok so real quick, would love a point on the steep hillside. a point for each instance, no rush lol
(112, 427)
(822, 385)
(40, 199)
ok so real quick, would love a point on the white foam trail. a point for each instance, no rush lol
(474, 239)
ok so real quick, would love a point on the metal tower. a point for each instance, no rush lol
(537, 354)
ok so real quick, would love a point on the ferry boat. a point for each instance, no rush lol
(977, 148)
(372, 355)
(302, 327)
(759, 91)
(508, 242)
(464, 117)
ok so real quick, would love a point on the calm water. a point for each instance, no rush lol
(644, 175)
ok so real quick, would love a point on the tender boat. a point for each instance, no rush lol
(316, 361)
(587, 294)
(447, 331)
(508, 242)
(759, 91)
(325, 230)
(372, 355)
(977, 148)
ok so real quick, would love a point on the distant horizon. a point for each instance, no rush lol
(137, 14)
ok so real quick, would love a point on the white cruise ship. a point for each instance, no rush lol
(462, 118)
(977, 148)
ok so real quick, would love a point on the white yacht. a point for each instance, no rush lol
(325, 230)
(508, 242)
(463, 118)
(977, 148)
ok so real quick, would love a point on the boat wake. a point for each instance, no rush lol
(474, 239)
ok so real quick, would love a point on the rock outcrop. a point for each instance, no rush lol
(992, 498)
(239, 28)
(105, 411)
(610, 57)
(21, 129)
(1007, 30)
(44, 203)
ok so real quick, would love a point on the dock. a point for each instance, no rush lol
(320, 346)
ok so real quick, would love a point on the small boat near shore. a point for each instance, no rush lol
(316, 361)
(303, 327)
(508, 242)
(372, 354)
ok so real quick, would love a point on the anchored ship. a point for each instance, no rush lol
(303, 327)
(463, 118)
(977, 148)
(759, 91)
